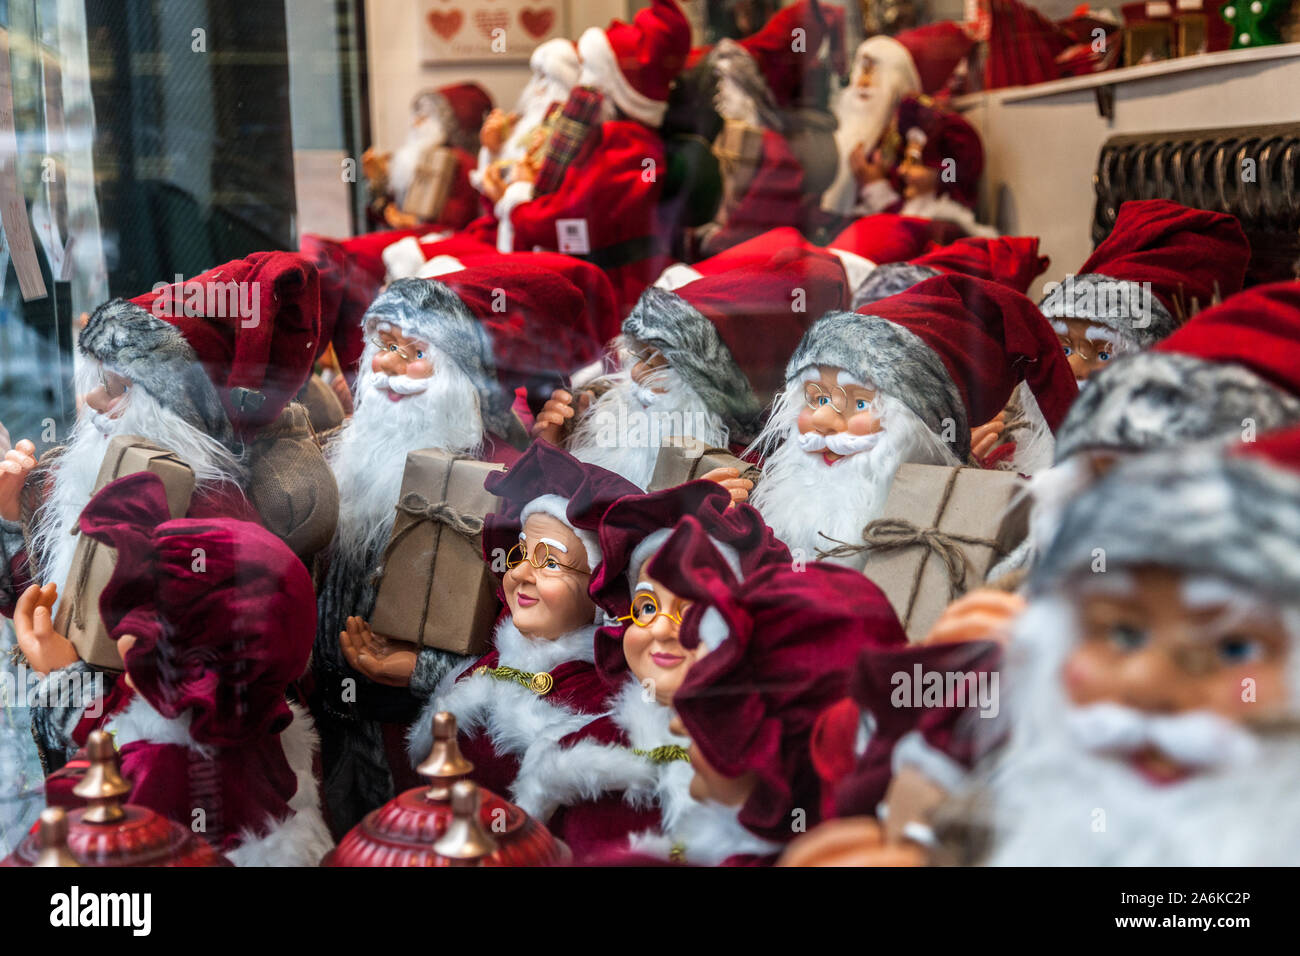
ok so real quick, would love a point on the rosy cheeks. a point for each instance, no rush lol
(420, 368)
(1081, 678)
(863, 423)
(805, 421)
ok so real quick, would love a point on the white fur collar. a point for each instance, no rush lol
(512, 715)
(532, 654)
(708, 833)
(644, 719)
(140, 722)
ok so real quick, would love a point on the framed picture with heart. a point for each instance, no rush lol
(488, 30)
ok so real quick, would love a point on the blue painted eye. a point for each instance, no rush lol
(862, 404)
(1239, 650)
(1103, 356)
(419, 353)
(823, 400)
(1069, 351)
(1127, 638)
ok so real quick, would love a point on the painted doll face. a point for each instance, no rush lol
(837, 404)
(1088, 347)
(650, 643)
(550, 600)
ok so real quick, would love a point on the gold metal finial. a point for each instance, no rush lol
(52, 838)
(103, 786)
(445, 763)
(466, 842)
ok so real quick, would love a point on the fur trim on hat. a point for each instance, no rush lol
(890, 279)
(1153, 400)
(894, 360)
(428, 310)
(154, 355)
(558, 508)
(693, 348)
(651, 543)
(1115, 303)
(558, 60)
(599, 62)
(737, 64)
(1198, 512)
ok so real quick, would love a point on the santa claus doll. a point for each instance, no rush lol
(1012, 261)
(539, 682)
(1145, 698)
(622, 780)
(773, 652)
(691, 366)
(1160, 265)
(198, 368)
(900, 381)
(441, 361)
(210, 645)
(938, 170)
(507, 138)
(604, 208)
(444, 133)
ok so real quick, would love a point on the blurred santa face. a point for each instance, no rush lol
(708, 783)
(108, 399)
(646, 362)
(551, 601)
(918, 178)
(1171, 651)
(1088, 347)
(402, 364)
(653, 651)
(840, 415)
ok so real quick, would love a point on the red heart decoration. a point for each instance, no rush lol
(537, 22)
(489, 20)
(446, 25)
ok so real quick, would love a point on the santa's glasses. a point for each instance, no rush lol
(816, 396)
(407, 353)
(541, 559)
(645, 608)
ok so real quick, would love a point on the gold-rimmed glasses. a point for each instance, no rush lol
(407, 353)
(816, 396)
(541, 559)
(645, 608)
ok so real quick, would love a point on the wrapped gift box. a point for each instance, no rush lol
(435, 588)
(686, 459)
(972, 516)
(93, 562)
(432, 184)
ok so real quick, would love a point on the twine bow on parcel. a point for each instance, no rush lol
(893, 534)
(420, 508)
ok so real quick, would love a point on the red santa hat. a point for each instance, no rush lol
(1237, 361)
(1188, 258)
(1023, 45)
(787, 46)
(944, 137)
(1012, 261)
(705, 329)
(500, 325)
(781, 645)
(346, 290)
(226, 350)
(634, 63)
(952, 349)
(635, 526)
(221, 646)
(888, 237)
(546, 480)
(936, 49)
(460, 107)
(557, 58)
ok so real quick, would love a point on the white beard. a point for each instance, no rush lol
(406, 158)
(369, 454)
(1048, 797)
(733, 103)
(621, 433)
(863, 115)
(805, 501)
(78, 467)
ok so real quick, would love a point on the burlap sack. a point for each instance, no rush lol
(291, 485)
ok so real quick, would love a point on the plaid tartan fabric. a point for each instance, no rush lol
(568, 134)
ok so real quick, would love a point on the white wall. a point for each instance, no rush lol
(396, 74)
(1041, 143)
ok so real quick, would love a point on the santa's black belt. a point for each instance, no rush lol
(626, 252)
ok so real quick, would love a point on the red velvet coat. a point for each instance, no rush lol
(613, 186)
(500, 719)
(773, 198)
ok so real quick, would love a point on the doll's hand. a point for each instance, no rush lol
(45, 648)
(559, 409)
(524, 171)
(383, 660)
(493, 132)
(730, 479)
(398, 219)
(494, 186)
(985, 614)
(374, 165)
(984, 438)
(850, 841)
(14, 468)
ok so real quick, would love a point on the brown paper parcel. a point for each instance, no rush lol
(434, 176)
(979, 515)
(93, 562)
(436, 589)
(685, 459)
